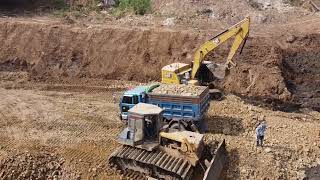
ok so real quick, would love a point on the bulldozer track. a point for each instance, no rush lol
(133, 175)
(156, 164)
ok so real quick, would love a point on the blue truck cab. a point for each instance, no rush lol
(132, 97)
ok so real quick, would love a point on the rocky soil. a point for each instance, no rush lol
(58, 75)
(75, 129)
(181, 90)
(292, 141)
(39, 165)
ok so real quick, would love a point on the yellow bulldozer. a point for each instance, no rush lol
(201, 72)
(152, 151)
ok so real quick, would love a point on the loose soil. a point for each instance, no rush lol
(78, 128)
(181, 90)
(59, 76)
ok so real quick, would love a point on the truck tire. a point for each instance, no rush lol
(216, 94)
(177, 127)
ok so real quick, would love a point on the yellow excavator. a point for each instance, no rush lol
(202, 72)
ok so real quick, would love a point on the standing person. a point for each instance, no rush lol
(260, 132)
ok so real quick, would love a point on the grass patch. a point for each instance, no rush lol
(138, 7)
(60, 4)
(78, 9)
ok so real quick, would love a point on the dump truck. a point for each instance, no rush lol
(150, 149)
(184, 106)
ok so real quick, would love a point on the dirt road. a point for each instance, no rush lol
(81, 126)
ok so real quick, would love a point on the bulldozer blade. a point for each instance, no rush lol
(218, 70)
(218, 162)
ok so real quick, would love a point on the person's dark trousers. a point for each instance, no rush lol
(260, 140)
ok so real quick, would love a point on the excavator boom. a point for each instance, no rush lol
(239, 30)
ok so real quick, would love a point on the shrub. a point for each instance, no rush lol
(137, 6)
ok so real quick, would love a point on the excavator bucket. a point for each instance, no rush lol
(217, 164)
(218, 70)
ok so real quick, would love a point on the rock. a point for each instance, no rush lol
(291, 39)
(226, 130)
(259, 18)
(94, 170)
(262, 118)
(104, 12)
(267, 150)
(168, 22)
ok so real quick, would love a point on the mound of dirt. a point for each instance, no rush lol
(285, 73)
(32, 166)
(278, 70)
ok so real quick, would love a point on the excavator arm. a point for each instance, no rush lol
(240, 31)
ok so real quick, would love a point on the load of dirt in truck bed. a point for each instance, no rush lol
(179, 90)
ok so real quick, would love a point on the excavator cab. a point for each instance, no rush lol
(176, 73)
(144, 122)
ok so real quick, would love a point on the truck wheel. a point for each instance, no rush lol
(175, 127)
(216, 94)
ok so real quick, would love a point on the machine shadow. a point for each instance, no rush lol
(232, 166)
(225, 125)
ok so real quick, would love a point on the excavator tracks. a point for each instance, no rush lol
(155, 164)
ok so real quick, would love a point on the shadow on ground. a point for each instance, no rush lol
(232, 166)
(13, 8)
(313, 173)
(225, 125)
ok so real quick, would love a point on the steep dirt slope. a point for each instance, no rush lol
(108, 52)
(266, 68)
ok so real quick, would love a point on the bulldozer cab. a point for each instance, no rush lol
(144, 122)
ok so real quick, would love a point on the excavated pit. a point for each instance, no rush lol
(281, 72)
(301, 71)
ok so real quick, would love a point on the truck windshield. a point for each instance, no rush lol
(130, 99)
(135, 99)
(127, 99)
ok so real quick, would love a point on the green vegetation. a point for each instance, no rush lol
(76, 9)
(60, 4)
(136, 6)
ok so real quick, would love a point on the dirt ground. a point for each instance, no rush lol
(80, 125)
(58, 75)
